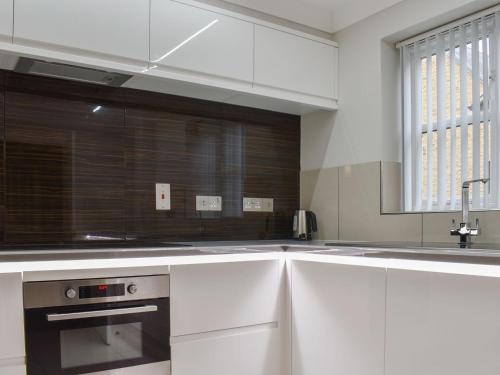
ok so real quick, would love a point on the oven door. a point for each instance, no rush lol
(87, 339)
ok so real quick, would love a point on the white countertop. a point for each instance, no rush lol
(94, 268)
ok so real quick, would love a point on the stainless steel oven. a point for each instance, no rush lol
(96, 326)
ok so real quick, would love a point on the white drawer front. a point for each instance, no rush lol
(210, 297)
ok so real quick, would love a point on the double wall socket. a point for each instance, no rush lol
(258, 204)
(208, 203)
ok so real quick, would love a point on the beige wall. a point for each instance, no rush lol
(347, 203)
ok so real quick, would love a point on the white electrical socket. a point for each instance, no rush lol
(258, 204)
(163, 197)
(208, 203)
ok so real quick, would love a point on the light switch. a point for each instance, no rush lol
(162, 197)
(208, 203)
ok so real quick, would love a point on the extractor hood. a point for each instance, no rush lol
(70, 72)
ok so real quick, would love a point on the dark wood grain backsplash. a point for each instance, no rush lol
(79, 163)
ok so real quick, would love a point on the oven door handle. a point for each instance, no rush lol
(101, 313)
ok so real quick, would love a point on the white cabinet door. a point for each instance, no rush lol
(254, 352)
(11, 317)
(114, 28)
(197, 40)
(210, 297)
(12, 369)
(338, 319)
(442, 324)
(6, 18)
(295, 63)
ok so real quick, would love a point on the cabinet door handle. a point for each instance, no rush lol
(101, 313)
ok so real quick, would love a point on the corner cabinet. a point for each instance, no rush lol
(442, 324)
(296, 64)
(338, 319)
(6, 19)
(117, 30)
(188, 39)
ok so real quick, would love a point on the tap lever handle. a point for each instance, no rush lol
(477, 223)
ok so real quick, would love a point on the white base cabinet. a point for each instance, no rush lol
(442, 324)
(12, 369)
(252, 351)
(225, 318)
(338, 319)
(11, 317)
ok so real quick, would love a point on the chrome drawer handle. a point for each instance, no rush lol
(101, 313)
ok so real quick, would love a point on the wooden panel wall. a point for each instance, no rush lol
(81, 163)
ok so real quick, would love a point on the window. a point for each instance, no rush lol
(450, 115)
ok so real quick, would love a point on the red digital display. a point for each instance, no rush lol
(99, 291)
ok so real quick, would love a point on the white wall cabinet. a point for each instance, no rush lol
(442, 324)
(290, 62)
(12, 351)
(192, 39)
(114, 29)
(338, 319)
(255, 352)
(6, 19)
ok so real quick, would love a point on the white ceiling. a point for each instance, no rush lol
(325, 15)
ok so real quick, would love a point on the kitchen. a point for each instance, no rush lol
(267, 187)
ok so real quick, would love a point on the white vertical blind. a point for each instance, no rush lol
(449, 82)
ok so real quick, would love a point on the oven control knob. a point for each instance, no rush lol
(132, 288)
(71, 293)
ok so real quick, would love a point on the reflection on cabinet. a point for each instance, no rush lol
(294, 63)
(115, 28)
(6, 18)
(442, 324)
(211, 297)
(11, 320)
(338, 319)
(198, 40)
(255, 352)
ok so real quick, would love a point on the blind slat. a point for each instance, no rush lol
(407, 131)
(495, 113)
(453, 124)
(486, 111)
(463, 106)
(441, 109)
(429, 127)
(476, 114)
